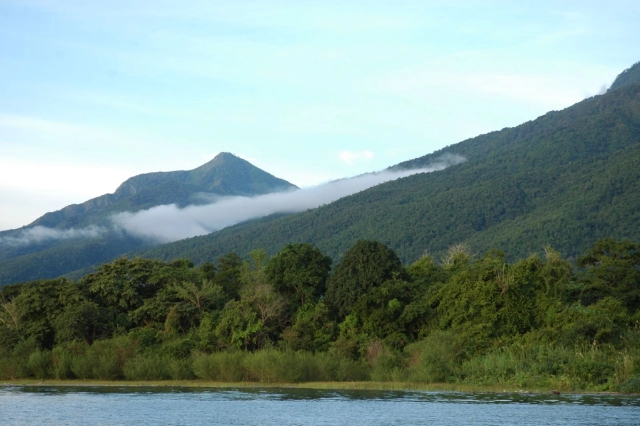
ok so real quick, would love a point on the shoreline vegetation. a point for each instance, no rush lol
(328, 386)
(365, 385)
(462, 323)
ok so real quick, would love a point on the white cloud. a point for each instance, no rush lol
(352, 157)
(39, 234)
(169, 223)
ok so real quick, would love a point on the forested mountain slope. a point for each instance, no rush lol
(564, 179)
(626, 77)
(32, 252)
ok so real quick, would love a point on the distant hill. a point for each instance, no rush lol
(565, 179)
(26, 255)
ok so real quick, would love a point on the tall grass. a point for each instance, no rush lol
(272, 365)
(440, 358)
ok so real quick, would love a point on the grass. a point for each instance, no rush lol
(379, 386)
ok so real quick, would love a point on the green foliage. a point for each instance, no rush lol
(220, 366)
(312, 330)
(629, 76)
(566, 178)
(468, 320)
(426, 272)
(81, 321)
(273, 366)
(147, 367)
(364, 266)
(228, 275)
(631, 385)
(39, 364)
(602, 322)
(436, 358)
(299, 272)
(61, 360)
(612, 269)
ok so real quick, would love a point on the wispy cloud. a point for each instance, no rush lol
(352, 157)
(168, 223)
(39, 234)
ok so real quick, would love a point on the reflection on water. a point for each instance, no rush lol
(283, 406)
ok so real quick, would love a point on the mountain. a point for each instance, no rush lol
(226, 174)
(81, 235)
(627, 77)
(564, 179)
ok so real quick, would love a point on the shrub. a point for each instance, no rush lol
(436, 358)
(147, 367)
(39, 364)
(219, 366)
(61, 360)
(631, 385)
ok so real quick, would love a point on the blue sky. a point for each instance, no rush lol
(92, 93)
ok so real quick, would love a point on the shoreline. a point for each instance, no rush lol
(373, 386)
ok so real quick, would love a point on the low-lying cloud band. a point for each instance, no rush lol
(169, 223)
(41, 234)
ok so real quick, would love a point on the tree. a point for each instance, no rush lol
(39, 303)
(81, 321)
(312, 330)
(366, 265)
(299, 272)
(123, 284)
(612, 268)
(202, 296)
(228, 275)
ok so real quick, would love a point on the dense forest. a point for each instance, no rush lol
(568, 178)
(538, 322)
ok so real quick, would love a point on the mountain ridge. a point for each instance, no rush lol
(563, 179)
(224, 175)
(566, 179)
(175, 187)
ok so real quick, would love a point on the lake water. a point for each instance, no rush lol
(40, 405)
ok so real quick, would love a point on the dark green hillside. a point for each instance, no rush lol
(66, 257)
(564, 179)
(628, 76)
(226, 174)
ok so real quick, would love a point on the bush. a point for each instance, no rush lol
(631, 385)
(39, 364)
(386, 365)
(181, 369)
(219, 366)
(61, 360)
(147, 367)
(104, 360)
(12, 367)
(436, 358)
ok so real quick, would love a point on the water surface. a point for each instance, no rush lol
(39, 405)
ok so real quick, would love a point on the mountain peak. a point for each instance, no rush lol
(629, 76)
(222, 158)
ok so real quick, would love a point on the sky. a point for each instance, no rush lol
(94, 92)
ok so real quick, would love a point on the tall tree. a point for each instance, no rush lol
(612, 268)
(367, 264)
(299, 272)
